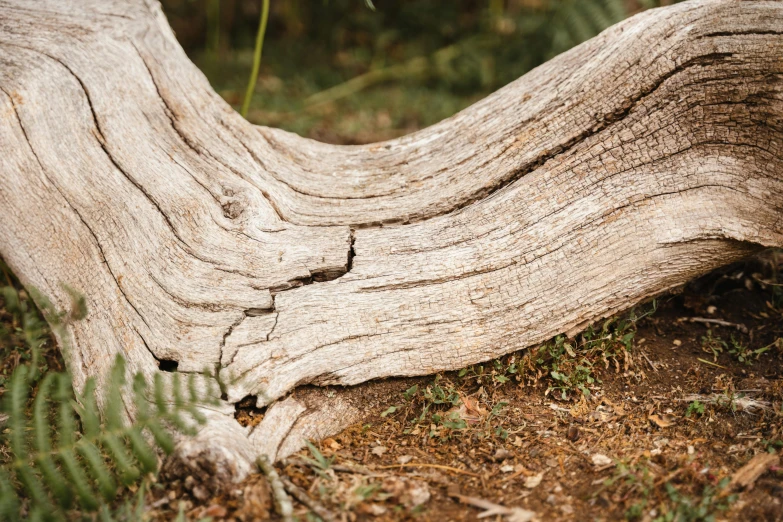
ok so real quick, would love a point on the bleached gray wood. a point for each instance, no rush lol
(615, 172)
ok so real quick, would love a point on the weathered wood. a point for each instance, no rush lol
(615, 172)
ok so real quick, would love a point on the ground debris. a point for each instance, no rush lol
(663, 420)
(747, 475)
(734, 401)
(601, 460)
(514, 514)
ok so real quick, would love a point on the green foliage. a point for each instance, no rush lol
(571, 365)
(401, 66)
(319, 463)
(66, 459)
(389, 411)
(713, 344)
(743, 353)
(684, 508)
(437, 403)
(662, 500)
(695, 408)
(571, 22)
(83, 462)
(251, 84)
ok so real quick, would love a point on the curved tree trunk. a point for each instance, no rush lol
(617, 171)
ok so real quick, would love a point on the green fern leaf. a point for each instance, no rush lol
(142, 451)
(51, 475)
(9, 502)
(128, 472)
(98, 469)
(161, 436)
(88, 411)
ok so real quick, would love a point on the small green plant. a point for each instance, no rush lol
(684, 508)
(572, 364)
(695, 408)
(663, 501)
(411, 392)
(743, 353)
(500, 431)
(728, 399)
(435, 398)
(436, 394)
(388, 411)
(450, 420)
(319, 463)
(713, 344)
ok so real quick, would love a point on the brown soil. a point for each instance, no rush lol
(661, 457)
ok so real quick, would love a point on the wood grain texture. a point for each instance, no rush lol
(613, 173)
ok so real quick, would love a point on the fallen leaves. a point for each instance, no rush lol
(534, 480)
(379, 450)
(600, 460)
(409, 492)
(663, 420)
(257, 500)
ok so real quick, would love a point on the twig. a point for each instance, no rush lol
(412, 67)
(710, 363)
(359, 470)
(720, 322)
(283, 504)
(492, 509)
(668, 477)
(423, 465)
(315, 506)
(652, 365)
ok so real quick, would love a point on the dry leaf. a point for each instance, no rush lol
(533, 481)
(410, 492)
(470, 410)
(404, 459)
(331, 444)
(215, 511)
(601, 460)
(662, 421)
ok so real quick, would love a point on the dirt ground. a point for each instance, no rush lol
(658, 434)
(647, 417)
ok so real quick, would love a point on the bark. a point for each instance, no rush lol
(613, 173)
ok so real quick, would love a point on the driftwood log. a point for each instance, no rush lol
(615, 172)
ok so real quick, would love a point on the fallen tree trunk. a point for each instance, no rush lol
(615, 172)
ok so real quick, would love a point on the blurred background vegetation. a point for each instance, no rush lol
(359, 71)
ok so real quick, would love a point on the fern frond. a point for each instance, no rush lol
(16, 399)
(51, 475)
(142, 451)
(99, 470)
(9, 503)
(88, 454)
(87, 409)
(66, 442)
